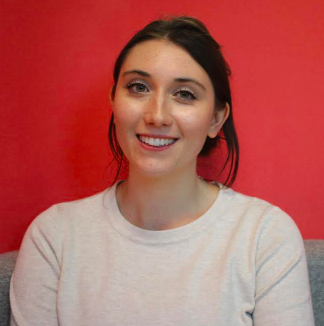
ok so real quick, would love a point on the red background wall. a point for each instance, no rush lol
(55, 71)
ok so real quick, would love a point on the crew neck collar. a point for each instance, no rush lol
(144, 236)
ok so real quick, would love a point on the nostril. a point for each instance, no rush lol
(158, 115)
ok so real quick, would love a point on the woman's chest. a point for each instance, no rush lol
(140, 285)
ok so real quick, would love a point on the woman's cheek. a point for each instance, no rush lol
(195, 124)
(124, 113)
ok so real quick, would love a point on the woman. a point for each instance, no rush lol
(164, 247)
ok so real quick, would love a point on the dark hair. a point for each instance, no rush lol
(193, 36)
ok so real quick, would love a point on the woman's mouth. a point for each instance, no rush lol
(156, 142)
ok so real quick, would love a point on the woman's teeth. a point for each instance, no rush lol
(158, 142)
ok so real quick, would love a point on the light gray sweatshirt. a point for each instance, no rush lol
(241, 263)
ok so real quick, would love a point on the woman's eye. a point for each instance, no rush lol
(137, 88)
(186, 95)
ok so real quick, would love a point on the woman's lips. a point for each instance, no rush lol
(156, 142)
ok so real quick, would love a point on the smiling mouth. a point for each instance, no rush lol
(157, 142)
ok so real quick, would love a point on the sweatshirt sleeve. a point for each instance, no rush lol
(282, 295)
(34, 282)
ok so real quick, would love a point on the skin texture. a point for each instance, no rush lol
(163, 92)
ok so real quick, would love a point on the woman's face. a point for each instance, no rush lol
(164, 109)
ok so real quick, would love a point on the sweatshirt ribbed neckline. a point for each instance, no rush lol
(139, 235)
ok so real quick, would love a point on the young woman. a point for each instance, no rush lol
(165, 247)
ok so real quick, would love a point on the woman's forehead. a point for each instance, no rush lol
(163, 58)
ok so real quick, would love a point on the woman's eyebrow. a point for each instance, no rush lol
(179, 80)
(186, 80)
(138, 72)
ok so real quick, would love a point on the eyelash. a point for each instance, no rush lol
(184, 90)
(135, 83)
(192, 94)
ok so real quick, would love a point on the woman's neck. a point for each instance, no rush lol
(164, 203)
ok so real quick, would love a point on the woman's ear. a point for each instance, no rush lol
(218, 120)
(112, 94)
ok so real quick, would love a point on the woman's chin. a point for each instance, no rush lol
(154, 170)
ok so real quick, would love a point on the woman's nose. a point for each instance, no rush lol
(157, 112)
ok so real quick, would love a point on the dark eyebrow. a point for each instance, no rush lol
(186, 80)
(179, 80)
(138, 72)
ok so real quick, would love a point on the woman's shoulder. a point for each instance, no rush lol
(255, 211)
(84, 206)
(70, 212)
(247, 203)
(261, 229)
